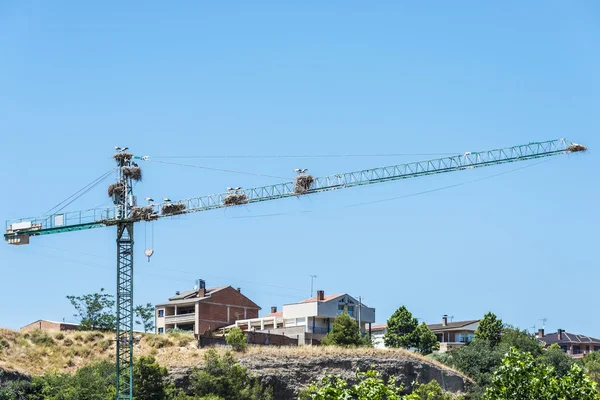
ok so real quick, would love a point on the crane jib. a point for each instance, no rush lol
(96, 218)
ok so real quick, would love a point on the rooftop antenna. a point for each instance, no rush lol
(543, 319)
(312, 281)
(451, 318)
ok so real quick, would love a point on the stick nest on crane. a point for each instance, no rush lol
(576, 148)
(235, 199)
(172, 209)
(303, 183)
(116, 189)
(134, 173)
(123, 156)
(145, 213)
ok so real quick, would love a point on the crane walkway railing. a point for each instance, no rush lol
(99, 217)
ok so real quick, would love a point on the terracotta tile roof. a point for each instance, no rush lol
(190, 296)
(327, 298)
(378, 327)
(552, 338)
(451, 325)
(275, 314)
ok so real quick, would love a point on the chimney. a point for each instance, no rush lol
(273, 309)
(540, 333)
(239, 289)
(177, 293)
(560, 332)
(445, 320)
(201, 288)
(320, 295)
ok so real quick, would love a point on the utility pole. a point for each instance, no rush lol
(312, 279)
(359, 310)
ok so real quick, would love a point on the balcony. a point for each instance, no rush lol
(180, 319)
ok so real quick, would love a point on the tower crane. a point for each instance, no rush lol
(125, 213)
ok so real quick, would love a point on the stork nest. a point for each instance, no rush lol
(116, 189)
(303, 183)
(574, 148)
(123, 156)
(235, 199)
(172, 209)
(142, 213)
(134, 173)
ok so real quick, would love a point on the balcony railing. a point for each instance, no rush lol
(180, 319)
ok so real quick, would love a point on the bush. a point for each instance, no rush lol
(67, 342)
(236, 339)
(92, 337)
(148, 378)
(59, 336)
(158, 341)
(40, 337)
(224, 377)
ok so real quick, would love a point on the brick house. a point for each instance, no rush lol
(573, 344)
(204, 309)
(49, 326)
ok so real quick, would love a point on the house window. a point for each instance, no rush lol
(596, 348)
(161, 313)
(576, 350)
(563, 348)
(161, 330)
(587, 349)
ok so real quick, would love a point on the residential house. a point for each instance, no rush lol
(49, 326)
(314, 316)
(377, 333)
(573, 344)
(454, 334)
(449, 334)
(204, 309)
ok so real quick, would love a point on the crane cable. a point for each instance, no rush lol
(309, 156)
(217, 169)
(80, 192)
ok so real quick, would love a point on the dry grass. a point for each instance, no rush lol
(134, 173)
(303, 183)
(235, 199)
(173, 209)
(177, 349)
(116, 189)
(576, 148)
(145, 213)
(123, 156)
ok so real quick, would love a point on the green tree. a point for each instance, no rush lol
(521, 340)
(400, 329)
(344, 332)
(591, 365)
(554, 356)
(149, 379)
(519, 377)
(95, 311)
(222, 376)
(236, 339)
(145, 315)
(425, 340)
(489, 329)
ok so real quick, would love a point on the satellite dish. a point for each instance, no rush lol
(148, 253)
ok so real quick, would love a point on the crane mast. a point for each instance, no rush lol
(124, 201)
(125, 213)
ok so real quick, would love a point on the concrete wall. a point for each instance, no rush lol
(299, 310)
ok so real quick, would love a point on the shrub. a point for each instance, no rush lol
(224, 377)
(59, 336)
(41, 337)
(92, 337)
(158, 341)
(344, 332)
(236, 339)
(67, 342)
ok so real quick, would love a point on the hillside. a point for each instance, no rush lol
(285, 368)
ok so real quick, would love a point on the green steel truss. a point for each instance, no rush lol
(124, 377)
(95, 218)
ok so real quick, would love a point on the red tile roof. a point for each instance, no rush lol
(378, 327)
(275, 314)
(327, 298)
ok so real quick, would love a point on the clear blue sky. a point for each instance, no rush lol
(266, 78)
